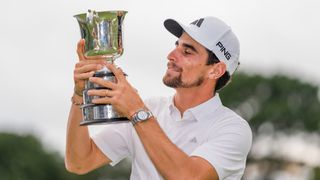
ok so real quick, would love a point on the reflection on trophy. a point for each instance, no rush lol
(102, 32)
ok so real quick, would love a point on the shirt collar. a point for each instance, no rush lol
(207, 108)
(202, 111)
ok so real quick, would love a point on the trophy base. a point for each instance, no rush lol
(104, 121)
(100, 114)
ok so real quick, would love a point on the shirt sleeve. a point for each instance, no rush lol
(227, 150)
(112, 140)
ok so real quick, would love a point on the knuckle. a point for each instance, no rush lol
(76, 77)
(79, 50)
(79, 64)
(121, 87)
(98, 67)
(119, 95)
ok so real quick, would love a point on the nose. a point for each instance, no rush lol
(172, 56)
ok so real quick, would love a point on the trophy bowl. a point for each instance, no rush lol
(102, 32)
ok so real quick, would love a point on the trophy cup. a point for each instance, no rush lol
(102, 32)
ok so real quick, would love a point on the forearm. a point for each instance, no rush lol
(78, 142)
(170, 161)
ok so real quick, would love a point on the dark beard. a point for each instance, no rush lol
(176, 82)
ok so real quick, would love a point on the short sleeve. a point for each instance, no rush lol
(227, 150)
(112, 141)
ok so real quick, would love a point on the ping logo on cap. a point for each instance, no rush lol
(198, 22)
(223, 49)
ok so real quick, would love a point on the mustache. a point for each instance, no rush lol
(174, 66)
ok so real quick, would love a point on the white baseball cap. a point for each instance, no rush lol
(213, 34)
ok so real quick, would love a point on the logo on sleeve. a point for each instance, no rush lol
(193, 140)
(198, 22)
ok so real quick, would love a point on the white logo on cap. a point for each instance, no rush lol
(223, 49)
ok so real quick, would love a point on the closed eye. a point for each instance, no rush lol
(188, 49)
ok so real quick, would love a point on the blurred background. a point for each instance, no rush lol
(276, 87)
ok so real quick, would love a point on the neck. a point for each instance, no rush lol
(186, 98)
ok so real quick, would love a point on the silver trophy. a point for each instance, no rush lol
(102, 32)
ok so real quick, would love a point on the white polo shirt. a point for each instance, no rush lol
(209, 130)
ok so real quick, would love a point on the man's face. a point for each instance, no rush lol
(187, 64)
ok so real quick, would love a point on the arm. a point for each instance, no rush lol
(82, 155)
(170, 161)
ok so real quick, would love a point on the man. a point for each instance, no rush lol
(188, 136)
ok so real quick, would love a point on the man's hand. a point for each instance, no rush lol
(123, 97)
(85, 68)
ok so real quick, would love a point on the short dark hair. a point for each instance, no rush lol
(225, 78)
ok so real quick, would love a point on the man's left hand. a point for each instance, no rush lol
(121, 95)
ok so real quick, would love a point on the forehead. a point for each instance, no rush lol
(185, 38)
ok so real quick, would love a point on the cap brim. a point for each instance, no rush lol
(173, 27)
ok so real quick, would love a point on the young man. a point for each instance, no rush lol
(188, 136)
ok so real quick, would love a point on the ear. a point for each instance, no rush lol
(217, 70)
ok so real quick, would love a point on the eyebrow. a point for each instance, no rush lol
(187, 46)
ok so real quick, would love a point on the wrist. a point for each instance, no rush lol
(78, 92)
(141, 115)
(133, 110)
(76, 100)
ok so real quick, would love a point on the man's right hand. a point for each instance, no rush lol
(85, 68)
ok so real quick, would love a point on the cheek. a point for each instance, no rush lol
(191, 71)
(192, 66)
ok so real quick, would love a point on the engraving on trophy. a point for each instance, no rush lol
(102, 32)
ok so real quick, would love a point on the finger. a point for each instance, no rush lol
(102, 82)
(96, 58)
(101, 92)
(116, 71)
(83, 63)
(80, 50)
(88, 68)
(83, 76)
(103, 100)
